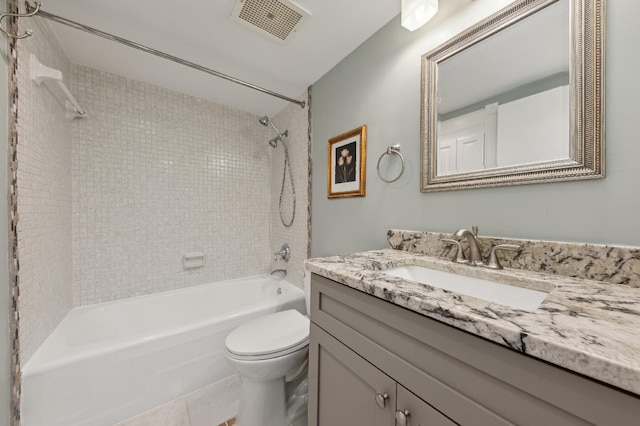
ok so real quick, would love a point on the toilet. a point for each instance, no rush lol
(270, 355)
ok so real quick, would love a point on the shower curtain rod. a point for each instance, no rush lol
(155, 52)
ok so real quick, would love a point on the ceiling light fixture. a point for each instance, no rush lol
(416, 13)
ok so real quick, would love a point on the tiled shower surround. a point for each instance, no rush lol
(157, 174)
(295, 120)
(108, 204)
(44, 194)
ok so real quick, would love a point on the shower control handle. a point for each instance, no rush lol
(284, 253)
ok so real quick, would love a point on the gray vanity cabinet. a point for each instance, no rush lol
(349, 385)
(362, 346)
(417, 412)
(354, 392)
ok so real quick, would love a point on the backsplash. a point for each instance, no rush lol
(612, 264)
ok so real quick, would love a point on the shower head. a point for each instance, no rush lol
(274, 142)
(266, 121)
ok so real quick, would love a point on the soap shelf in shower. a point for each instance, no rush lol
(41, 72)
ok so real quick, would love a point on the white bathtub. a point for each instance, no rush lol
(107, 362)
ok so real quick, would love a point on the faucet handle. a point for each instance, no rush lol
(494, 263)
(459, 257)
(474, 229)
(283, 254)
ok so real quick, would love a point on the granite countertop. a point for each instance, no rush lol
(590, 327)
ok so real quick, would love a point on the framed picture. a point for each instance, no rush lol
(347, 163)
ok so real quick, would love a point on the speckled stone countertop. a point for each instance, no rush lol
(590, 327)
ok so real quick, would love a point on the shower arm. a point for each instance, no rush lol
(275, 128)
(266, 121)
(281, 135)
(37, 11)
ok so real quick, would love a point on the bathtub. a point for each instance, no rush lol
(107, 362)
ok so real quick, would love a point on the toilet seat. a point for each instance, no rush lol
(267, 337)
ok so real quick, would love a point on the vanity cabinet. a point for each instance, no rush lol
(414, 411)
(356, 393)
(349, 385)
(362, 347)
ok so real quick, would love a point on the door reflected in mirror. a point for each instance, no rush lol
(489, 93)
(508, 101)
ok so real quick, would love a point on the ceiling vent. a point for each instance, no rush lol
(277, 20)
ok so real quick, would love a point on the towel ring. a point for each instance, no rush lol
(392, 150)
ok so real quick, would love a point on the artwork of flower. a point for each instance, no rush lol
(346, 171)
(346, 167)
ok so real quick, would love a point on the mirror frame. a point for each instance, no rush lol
(586, 82)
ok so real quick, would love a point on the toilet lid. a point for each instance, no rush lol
(269, 334)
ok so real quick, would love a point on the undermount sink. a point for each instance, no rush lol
(491, 291)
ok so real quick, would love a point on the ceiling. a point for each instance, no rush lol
(202, 32)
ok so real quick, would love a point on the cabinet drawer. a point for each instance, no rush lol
(419, 412)
(467, 378)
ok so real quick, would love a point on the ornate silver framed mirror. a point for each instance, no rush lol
(516, 99)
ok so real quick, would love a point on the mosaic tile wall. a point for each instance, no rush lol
(43, 193)
(295, 119)
(157, 174)
(15, 390)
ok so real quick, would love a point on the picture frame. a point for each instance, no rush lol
(346, 171)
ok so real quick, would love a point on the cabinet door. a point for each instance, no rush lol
(418, 412)
(344, 386)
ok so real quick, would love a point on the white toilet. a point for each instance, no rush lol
(270, 355)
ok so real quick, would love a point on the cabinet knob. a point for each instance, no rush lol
(401, 418)
(381, 399)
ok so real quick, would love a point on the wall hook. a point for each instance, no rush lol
(19, 15)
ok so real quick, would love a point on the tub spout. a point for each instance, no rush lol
(282, 272)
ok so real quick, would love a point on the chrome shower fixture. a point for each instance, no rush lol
(266, 121)
(283, 254)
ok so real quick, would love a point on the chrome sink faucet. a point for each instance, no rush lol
(475, 257)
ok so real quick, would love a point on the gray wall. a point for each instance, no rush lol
(379, 85)
(5, 347)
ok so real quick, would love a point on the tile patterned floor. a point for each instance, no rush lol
(229, 422)
(205, 407)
